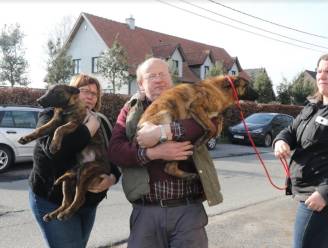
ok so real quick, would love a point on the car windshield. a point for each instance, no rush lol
(259, 118)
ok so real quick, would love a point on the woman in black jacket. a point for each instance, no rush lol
(47, 167)
(308, 135)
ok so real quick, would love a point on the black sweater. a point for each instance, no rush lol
(308, 135)
(48, 167)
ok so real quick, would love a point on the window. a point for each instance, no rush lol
(175, 65)
(206, 70)
(19, 119)
(76, 68)
(233, 73)
(94, 63)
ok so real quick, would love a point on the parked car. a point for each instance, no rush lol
(16, 121)
(263, 128)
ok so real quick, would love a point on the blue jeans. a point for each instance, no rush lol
(311, 228)
(71, 233)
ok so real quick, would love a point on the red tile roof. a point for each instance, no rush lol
(140, 43)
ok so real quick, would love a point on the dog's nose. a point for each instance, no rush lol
(42, 102)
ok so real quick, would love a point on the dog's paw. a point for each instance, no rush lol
(63, 216)
(47, 218)
(54, 147)
(23, 140)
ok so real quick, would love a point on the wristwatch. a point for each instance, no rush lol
(163, 137)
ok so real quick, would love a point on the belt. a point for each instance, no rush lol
(169, 203)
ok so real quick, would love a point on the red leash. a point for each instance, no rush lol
(283, 161)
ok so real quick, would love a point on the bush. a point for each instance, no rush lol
(111, 104)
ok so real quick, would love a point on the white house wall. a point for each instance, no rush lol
(208, 63)
(177, 56)
(85, 45)
(234, 68)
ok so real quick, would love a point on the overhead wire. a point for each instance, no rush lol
(238, 28)
(253, 26)
(271, 22)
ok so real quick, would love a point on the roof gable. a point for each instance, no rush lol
(141, 43)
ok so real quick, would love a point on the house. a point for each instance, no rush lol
(252, 73)
(310, 76)
(192, 60)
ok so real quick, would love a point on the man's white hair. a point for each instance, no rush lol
(144, 65)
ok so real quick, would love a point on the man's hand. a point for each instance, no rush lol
(281, 149)
(315, 202)
(170, 150)
(102, 183)
(149, 134)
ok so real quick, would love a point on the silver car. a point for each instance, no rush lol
(16, 121)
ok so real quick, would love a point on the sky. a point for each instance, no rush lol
(198, 20)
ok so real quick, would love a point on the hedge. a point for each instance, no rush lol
(111, 105)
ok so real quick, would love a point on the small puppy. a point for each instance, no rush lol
(69, 113)
(202, 101)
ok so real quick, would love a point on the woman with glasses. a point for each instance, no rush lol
(47, 167)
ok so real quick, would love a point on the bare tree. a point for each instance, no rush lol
(59, 63)
(13, 65)
(113, 65)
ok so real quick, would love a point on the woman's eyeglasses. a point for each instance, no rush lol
(88, 92)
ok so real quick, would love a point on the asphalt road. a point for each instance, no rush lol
(253, 213)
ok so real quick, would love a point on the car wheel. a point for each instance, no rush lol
(211, 143)
(6, 158)
(267, 140)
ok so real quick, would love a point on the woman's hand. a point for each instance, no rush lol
(149, 134)
(92, 122)
(315, 202)
(102, 183)
(281, 149)
(170, 150)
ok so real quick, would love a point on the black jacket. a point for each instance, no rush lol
(48, 167)
(308, 135)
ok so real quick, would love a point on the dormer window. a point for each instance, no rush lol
(206, 71)
(175, 65)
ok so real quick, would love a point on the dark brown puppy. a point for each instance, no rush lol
(69, 113)
(92, 162)
(201, 101)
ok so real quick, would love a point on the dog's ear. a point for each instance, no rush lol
(73, 90)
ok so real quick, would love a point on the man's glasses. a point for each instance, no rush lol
(154, 76)
(88, 92)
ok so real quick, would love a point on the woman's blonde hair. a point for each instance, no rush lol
(81, 80)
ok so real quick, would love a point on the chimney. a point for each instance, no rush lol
(130, 22)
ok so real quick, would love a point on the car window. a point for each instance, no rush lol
(6, 120)
(259, 118)
(19, 119)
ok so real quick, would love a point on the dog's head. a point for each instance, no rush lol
(58, 96)
(225, 84)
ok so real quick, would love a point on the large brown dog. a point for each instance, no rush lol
(69, 113)
(201, 101)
